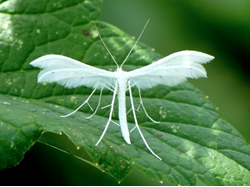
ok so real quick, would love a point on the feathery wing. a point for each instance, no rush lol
(171, 70)
(71, 73)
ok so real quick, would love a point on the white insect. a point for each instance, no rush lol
(169, 71)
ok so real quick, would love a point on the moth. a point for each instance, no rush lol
(169, 71)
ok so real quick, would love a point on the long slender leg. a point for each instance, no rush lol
(136, 123)
(115, 123)
(106, 106)
(110, 115)
(141, 103)
(110, 87)
(99, 101)
(86, 101)
(90, 107)
(133, 129)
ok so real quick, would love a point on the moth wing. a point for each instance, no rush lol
(171, 70)
(71, 73)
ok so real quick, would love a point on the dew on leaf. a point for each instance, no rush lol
(94, 34)
(162, 113)
(12, 144)
(73, 99)
(61, 101)
(174, 128)
(8, 82)
(58, 4)
(6, 103)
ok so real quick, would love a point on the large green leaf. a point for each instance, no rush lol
(192, 138)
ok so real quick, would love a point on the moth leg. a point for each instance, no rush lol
(86, 101)
(99, 101)
(133, 129)
(112, 90)
(141, 104)
(111, 87)
(129, 111)
(110, 115)
(115, 123)
(90, 107)
(136, 123)
(106, 106)
(135, 109)
(144, 109)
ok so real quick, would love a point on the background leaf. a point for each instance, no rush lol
(192, 138)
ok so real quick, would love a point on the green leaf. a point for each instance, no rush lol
(192, 139)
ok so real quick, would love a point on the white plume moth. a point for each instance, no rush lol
(169, 71)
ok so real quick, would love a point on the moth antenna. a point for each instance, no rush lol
(106, 46)
(135, 43)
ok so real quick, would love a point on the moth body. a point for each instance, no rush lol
(122, 79)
